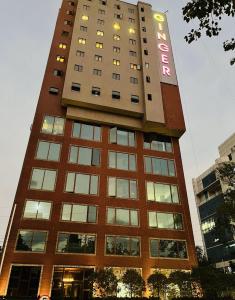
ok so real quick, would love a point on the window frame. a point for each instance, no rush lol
(93, 129)
(124, 208)
(44, 169)
(80, 146)
(122, 236)
(116, 152)
(162, 158)
(129, 187)
(74, 183)
(174, 214)
(31, 230)
(163, 183)
(55, 117)
(49, 142)
(39, 201)
(81, 204)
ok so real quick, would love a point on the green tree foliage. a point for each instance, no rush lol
(133, 282)
(157, 283)
(104, 283)
(184, 282)
(209, 14)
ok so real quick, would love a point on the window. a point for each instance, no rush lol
(149, 96)
(97, 72)
(76, 243)
(101, 11)
(121, 137)
(116, 62)
(69, 12)
(117, 6)
(118, 16)
(164, 220)
(35, 209)
(116, 49)
(68, 22)
(57, 73)
(161, 192)
(116, 37)
(100, 22)
(145, 41)
(53, 125)
(208, 224)
(135, 99)
(98, 58)
(144, 29)
(131, 20)
(86, 132)
(157, 142)
(159, 166)
(48, 151)
(76, 87)
(53, 91)
(84, 156)
(83, 28)
(131, 10)
(143, 19)
(134, 80)
(79, 213)
(133, 66)
(116, 76)
(62, 46)
(103, 2)
(86, 7)
(71, 3)
(32, 241)
(122, 216)
(146, 52)
(82, 184)
(142, 9)
(116, 26)
(132, 53)
(80, 53)
(122, 245)
(78, 68)
(168, 248)
(122, 188)
(122, 161)
(99, 45)
(132, 42)
(131, 30)
(43, 179)
(82, 41)
(147, 65)
(148, 79)
(65, 33)
(116, 95)
(99, 33)
(60, 58)
(85, 18)
(95, 91)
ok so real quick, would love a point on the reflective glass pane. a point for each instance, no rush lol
(39, 241)
(122, 137)
(171, 166)
(156, 166)
(79, 213)
(154, 248)
(122, 161)
(168, 147)
(95, 157)
(148, 165)
(132, 162)
(131, 139)
(49, 180)
(122, 216)
(112, 186)
(133, 189)
(122, 246)
(31, 209)
(168, 248)
(146, 145)
(70, 182)
(94, 185)
(134, 217)
(76, 129)
(162, 192)
(82, 184)
(62, 244)
(152, 219)
(92, 214)
(66, 213)
(122, 188)
(112, 159)
(182, 249)
(150, 191)
(37, 179)
(110, 245)
(97, 133)
(47, 126)
(87, 132)
(164, 168)
(54, 152)
(73, 155)
(135, 247)
(174, 193)
(44, 210)
(84, 157)
(43, 148)
(113, 135)
(165, 220)
(90, 244)
(178, 221)
(24, 241)
(58, 126)
(111, 215)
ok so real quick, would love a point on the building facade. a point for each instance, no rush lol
(102, 183)
(209, 195)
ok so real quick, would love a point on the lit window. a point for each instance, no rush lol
(79, 213)
(147, 65)
(116, 95)
(42, 179)
(116, 26)
(53, 125)
(98, 58)
(122, 216)
(159, 166)
(62, 46)
(84, 156)
(80, 53)
(135, 99)
(101, 11)
(116, 49)
(82, 184)
(134, 80)
(83, 28)
(76, 243)
(122, 245)
(48, 151)
(116, 37)
(116, 76)
(99, 45)
(131, 30)
(97, 72)
(168, 248)
(34, 209)
(95, 91)
(78, 68)
(82, 41)
(76, 87)
(122, 161)
(31, 241)
(60, 58)
(121, 137)
(85, 18)
(53, 91)
(157, 142)
(162, 192)
(100, 22)
(122, 188)
(133, 66)
(116, 62)
(86, 132)
(100, 33)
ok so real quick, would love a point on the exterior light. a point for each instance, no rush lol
(116, 26)
(85, 18)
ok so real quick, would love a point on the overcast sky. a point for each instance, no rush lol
(205, 78)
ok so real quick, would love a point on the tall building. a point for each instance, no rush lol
(102, 183)
(209, 194)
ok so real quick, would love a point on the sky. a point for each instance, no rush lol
(205, 77)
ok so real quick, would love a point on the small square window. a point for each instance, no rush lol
(95, 91)
(86, 7)
(147, 65)
(132, 53)
(53, 91)
(82, 41)
(101, 11)
(150, 97)
(85, 18)
(71, 3)
(132, 42)
(83, 28)
(146, 52)
(116, 76)
(80, 53)
(76, 87)
(60, 58)
(67, 22)
(117, 6)
(143, 19)
(148, 79)
(99, 33)
(62, 46)
(65, 33)
(78, 68)
(116, 37)
(116, 62)
(99, 45)
(70, 12)
(144, 29)
(134, 99)
(100, 22)
(116, 95)
(97, 72)
(58, 73)
(142, 9)
(145, 41)
(118, 16)
(116, 49)
(103, 2)
(98, 58)
(134, 80)
(131, 20)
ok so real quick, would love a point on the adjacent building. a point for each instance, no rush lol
(102, 183)
(209, 194)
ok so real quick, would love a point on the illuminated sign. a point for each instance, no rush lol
(166, 60)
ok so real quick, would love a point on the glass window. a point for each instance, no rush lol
(53, 125)
(168, 248)
(99, 45)
(43, 180)
(122, 161)
(157, 142)
(121, 216)
(82, 183)
(165, 220)
(37, 210)
(121, 137)
(121, 245)
(98, 57)
(122, 188)
(48, 151)
(86, 132)
(76, 243)
(159, 166)
(32, 241)
(162, 192)
(79, 213)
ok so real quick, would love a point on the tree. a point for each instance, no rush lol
(209, 14)
(201, 257)
(103, 282)
(157, 283)
(134, 282)
(184, 281)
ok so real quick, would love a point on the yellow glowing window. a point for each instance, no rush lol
(116, 26)
(82, 41)
(116, 62)
(116, 37)
(60, 58)
(100, 33)
(62, 46)
(99, 45)
(131, 30)
(85, 18)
